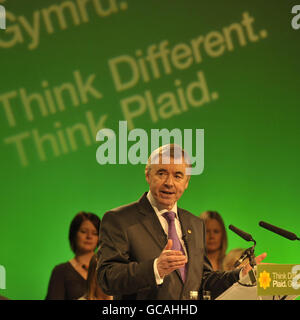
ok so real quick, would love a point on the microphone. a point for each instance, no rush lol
(84, 267)
(249, 253)
(281, 232)
(246, 236)
(184, 238)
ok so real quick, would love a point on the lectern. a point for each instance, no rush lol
(240, 292)
(272, 282)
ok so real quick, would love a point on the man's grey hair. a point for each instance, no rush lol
(165, 153)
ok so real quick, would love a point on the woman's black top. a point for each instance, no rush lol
(66, 283)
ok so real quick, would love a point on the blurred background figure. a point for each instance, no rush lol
(232, 257)
(68, 280)
(216, 238)
(94, 292)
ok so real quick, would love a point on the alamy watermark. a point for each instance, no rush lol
(296, 19)
(137, 153)
(2, 277)
(296, 278)
(2, 17)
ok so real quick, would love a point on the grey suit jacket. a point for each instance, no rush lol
(131, 237)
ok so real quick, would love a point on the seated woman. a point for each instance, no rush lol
(69, 280)
(94, 292)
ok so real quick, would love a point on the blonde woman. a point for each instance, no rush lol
(216, 238)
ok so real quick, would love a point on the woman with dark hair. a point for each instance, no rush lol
(216, 238)
(69, 280)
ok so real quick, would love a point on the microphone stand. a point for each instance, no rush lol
(252, 262)
(249, 253)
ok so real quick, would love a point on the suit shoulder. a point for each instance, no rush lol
(191, 216)
(123, 210)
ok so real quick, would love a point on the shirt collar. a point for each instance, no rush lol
(154, 205)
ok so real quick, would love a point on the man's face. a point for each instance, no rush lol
(167, 183)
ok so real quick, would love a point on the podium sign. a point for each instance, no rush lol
(278, 279)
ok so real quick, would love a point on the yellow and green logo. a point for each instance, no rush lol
(264, 279)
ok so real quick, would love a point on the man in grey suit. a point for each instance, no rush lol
(136, 258)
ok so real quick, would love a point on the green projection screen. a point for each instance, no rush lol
(72, 67)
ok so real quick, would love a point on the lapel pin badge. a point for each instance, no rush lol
(189, 231)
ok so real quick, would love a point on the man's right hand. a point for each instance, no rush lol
(170, 260)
